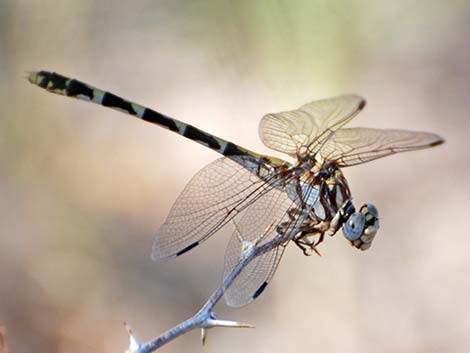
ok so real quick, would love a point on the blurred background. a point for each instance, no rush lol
(83, 189)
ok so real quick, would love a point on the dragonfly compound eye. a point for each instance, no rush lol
(354, 226)
(369, 222)
(370, 211)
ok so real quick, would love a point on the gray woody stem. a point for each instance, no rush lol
(204, 318)
(3, 341)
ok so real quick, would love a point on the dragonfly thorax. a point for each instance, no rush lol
(322, 194)
(322, 188)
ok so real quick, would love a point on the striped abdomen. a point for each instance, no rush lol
(65, 86)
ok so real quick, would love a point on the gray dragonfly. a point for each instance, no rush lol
(271, 201)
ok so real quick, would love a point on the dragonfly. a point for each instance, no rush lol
(268, 199)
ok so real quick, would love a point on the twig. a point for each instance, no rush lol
(205, 318)
(3, 341)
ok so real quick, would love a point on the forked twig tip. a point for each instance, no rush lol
(3, 341)
(134, 344)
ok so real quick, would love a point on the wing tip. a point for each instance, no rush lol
(234, 303)
(159, 254)
(433, 140)
(156, 255)
(362, 103)
(439, 141)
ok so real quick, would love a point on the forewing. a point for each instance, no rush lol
(214, 195)
(257, 224)
(306, 129)
(354, 146)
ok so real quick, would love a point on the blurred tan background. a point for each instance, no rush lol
(83, 189)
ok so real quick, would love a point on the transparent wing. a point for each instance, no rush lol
(258, 224)
(214, 195)
(354, 146)
(306, 129)
(275, 214)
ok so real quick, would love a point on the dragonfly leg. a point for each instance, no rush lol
(335, 223)
(319, 240)
(306, 249)
(293, 212)
(308, 244)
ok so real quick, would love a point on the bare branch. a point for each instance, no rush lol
(205, 319)
(3, 341)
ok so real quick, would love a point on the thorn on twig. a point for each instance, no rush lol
(134, 344)
(214, 322)
(203, 336)
(3, 341)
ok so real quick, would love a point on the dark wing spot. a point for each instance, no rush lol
(437, 143)
(362, 104)
(260, 290)
(186, 249)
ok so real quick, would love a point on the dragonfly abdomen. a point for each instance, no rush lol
(69, 87)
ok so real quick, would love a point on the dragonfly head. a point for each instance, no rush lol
(361, 226)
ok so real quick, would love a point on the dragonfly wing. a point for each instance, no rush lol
(254, 278)
(256, 225)
(306, 129)
(354, 146)
(216, 194)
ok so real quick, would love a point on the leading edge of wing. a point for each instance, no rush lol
(306, 129)
(352, 146)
